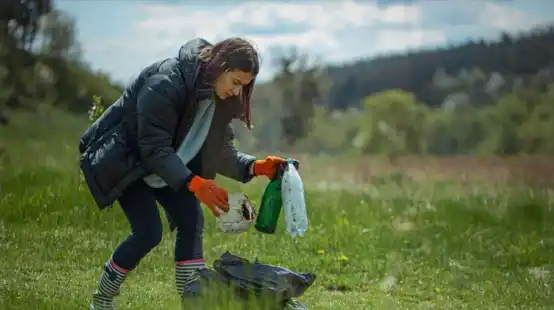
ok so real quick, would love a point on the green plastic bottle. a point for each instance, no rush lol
(270, 207)
(272, 203)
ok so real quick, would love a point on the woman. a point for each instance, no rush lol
(163, 141)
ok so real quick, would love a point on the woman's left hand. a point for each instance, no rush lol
(268, 166)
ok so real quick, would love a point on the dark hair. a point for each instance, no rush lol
(233, 54)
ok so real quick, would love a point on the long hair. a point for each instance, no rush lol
(233, 54)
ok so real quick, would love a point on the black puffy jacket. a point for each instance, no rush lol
(139, 133)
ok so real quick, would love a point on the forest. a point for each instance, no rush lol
(479, 97)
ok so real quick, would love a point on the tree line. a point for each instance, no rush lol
(478, 97)
(511, 56)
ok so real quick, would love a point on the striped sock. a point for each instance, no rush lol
(183, 271)
(108, 286)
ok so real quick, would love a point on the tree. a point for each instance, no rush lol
(19, 24)
(19, 20)
(59, 37)
(537, 133)
(299, 85)
(395, 123)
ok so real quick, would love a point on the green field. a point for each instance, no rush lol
(399, 244)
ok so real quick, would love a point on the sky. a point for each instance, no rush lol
(120, 37)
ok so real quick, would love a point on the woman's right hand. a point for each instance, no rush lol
(209, 193)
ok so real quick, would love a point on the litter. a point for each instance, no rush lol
(273, 285)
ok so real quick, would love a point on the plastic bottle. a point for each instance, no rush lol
(270, 207)
(272, 203)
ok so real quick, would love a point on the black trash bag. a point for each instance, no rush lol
(275, 285)
(262, 279)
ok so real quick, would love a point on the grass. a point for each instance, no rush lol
(401, 243)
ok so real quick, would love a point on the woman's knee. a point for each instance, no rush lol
(149, 237)
(140, 208)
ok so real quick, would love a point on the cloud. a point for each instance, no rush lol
(335, 30)
(313, 27)
(504, 18)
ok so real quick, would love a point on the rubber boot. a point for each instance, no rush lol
(108, 287)
(184, 271)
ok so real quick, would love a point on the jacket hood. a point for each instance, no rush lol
(190, 50)
(188, 54)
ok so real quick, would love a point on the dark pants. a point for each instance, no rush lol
(139, 205)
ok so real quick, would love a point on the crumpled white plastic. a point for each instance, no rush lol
(240, 217)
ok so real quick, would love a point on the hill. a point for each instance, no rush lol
(426, 72)
(476, 97)
(49, 71)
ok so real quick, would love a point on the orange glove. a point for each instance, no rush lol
(268, 166)
(209, 193)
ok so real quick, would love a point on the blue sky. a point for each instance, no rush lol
(122, 36)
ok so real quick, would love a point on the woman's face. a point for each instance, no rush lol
(230, 83)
